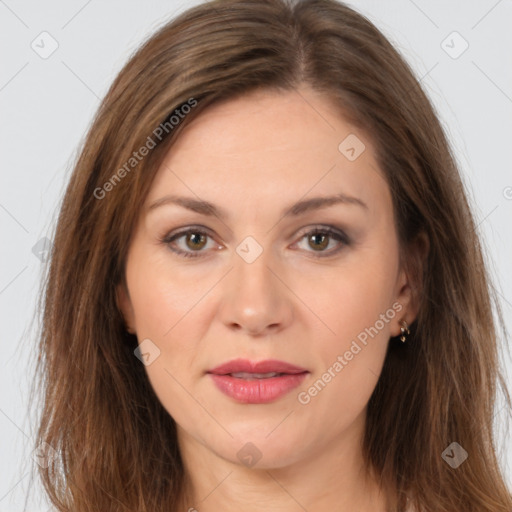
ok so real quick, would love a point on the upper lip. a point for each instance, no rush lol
(266, 366)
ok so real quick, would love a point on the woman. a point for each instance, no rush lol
(266, 290)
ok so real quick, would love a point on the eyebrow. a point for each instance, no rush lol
(206, 208)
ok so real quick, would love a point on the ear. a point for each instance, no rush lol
(124, 304)
(410, 281)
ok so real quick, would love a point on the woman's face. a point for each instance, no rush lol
(254, 281)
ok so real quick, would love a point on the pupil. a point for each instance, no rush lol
(324, 237)
(193, 238)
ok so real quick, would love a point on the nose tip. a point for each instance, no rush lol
(255, 325)
(256, 301)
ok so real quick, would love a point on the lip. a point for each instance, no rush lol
(257, 390)
(266, 366)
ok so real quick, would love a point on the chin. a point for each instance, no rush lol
(257, 451)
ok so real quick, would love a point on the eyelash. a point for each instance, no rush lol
(329, 231)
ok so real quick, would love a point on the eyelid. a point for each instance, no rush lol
(187, 229)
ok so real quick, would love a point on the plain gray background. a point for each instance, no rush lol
(47, 104)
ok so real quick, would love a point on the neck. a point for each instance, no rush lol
(331, 478)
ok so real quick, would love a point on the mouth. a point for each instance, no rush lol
(257, 382)
(253, 376)
(260, 369)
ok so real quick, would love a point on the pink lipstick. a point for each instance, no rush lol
(257, 382)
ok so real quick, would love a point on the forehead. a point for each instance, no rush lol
(271, 145)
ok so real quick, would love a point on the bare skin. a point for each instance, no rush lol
(303, 300)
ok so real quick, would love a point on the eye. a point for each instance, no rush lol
(319, 239)
(194, 240)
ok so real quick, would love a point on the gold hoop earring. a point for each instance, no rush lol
(404, 330)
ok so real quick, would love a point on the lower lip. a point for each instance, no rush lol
(257, 391)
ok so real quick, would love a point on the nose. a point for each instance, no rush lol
(256, 299)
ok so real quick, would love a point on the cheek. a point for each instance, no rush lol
(357, 308)
(167, 311)
(358, 294)
(161, 295)
(166, 307)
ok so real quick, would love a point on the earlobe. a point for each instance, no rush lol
(125, 307)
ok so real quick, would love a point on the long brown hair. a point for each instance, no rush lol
(115, 446)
